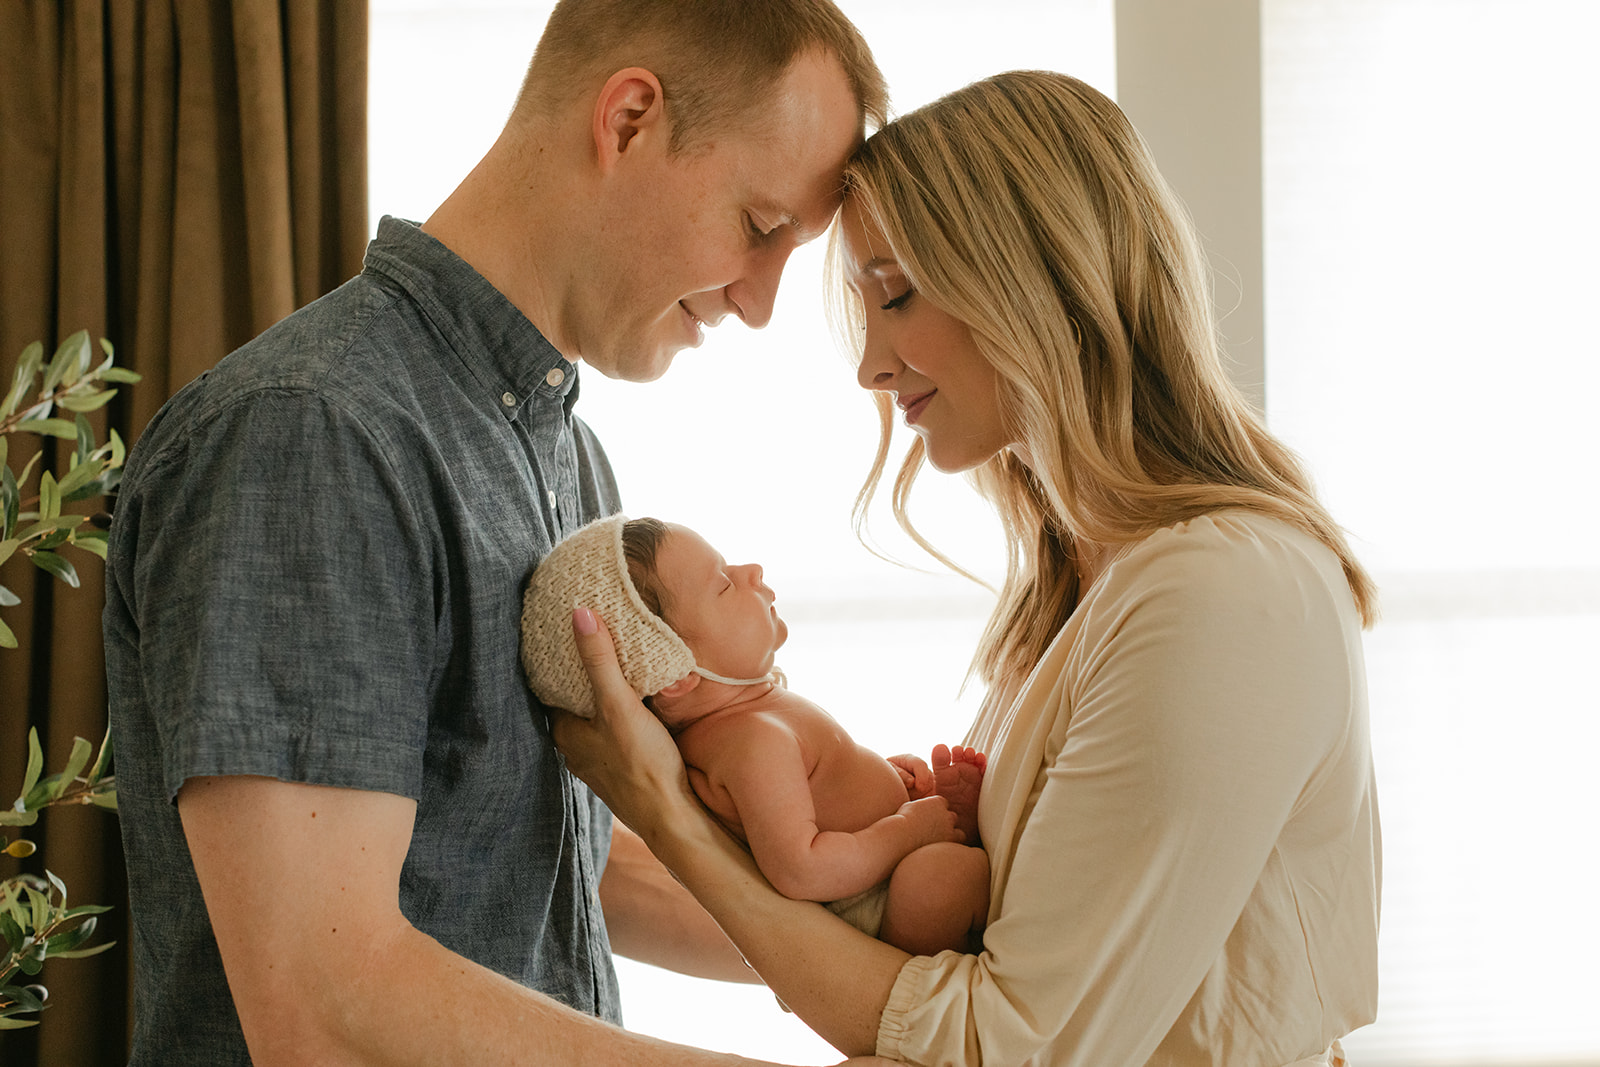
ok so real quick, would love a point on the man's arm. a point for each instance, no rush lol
(653, 919)
(301, 884)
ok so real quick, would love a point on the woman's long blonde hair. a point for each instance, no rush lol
(1029, 208)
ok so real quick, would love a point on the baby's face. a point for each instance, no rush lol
(724, 613)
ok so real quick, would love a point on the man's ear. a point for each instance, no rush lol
(631, 102)
(681, 686)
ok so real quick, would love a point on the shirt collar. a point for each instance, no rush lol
(503, 351)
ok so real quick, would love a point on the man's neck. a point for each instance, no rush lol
(503, 221)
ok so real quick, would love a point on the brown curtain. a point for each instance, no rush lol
(175, 176)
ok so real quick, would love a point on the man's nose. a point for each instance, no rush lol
(755, 294)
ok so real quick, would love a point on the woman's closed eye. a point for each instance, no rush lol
(897, 302)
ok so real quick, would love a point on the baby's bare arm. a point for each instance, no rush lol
(761, 764)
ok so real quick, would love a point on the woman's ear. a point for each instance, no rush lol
(631, 102)
(681, 686)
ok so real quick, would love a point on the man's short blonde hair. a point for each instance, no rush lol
(717, 60)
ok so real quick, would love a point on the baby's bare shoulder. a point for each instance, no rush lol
(779, 722)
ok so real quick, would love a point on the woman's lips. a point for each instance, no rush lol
(913, 406)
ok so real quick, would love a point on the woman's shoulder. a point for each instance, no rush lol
(1231, 556)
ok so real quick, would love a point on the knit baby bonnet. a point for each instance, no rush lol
(588, 569)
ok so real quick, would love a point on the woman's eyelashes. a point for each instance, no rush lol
(897, 302)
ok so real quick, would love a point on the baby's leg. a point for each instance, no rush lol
(938, 899)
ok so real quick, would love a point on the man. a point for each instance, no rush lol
(349, 837)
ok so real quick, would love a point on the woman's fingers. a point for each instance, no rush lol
(599, 656)
(624, 753)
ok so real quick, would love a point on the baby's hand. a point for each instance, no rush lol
(916, 775)
(932, 821)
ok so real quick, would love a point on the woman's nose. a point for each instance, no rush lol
(877, 369)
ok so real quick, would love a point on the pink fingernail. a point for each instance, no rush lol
(583, 620)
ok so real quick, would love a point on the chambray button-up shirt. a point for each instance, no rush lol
(315, 574)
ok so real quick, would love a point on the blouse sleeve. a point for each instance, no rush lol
(1206, 679)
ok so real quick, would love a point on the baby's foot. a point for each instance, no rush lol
(958, 776)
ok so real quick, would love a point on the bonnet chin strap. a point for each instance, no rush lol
(715, 677)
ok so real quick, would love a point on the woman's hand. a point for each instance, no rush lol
(624, 753)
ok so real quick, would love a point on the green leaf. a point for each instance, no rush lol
(55, 539)
(57, 566)
(8, 546)
(8, 599)
(101, 761)
(8, 1023)
(69, 363)
(7, 638)
(12, 932)
(107, 801)
(93, 545)
(47, 526)
(22, 997)
(49, 788)
(41, 909)
(35, 761)
(65, 942)
(85, 437)
(10, 498)
(119, 451)
(49, 428)
(49, 496)
(5, 447)
(121, 375)
(86, 470)
(22, 380)
(83, 953)
(81, 751)
(86, 401)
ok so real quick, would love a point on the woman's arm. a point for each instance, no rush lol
(834, 977)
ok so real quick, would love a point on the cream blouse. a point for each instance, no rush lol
(1181, 823)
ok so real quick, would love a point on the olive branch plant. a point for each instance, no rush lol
(35, 922)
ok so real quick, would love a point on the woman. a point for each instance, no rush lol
(1179, 806)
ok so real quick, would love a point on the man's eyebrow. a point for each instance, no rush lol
(782, 216)
(876, 263)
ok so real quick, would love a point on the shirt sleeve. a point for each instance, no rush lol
(1206, 683)
(283, 594)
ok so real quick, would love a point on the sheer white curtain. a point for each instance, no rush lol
(1429, 228)
(1431, 232)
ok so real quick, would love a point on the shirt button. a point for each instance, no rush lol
(551, 496)
(555, 377)
(508, 399)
